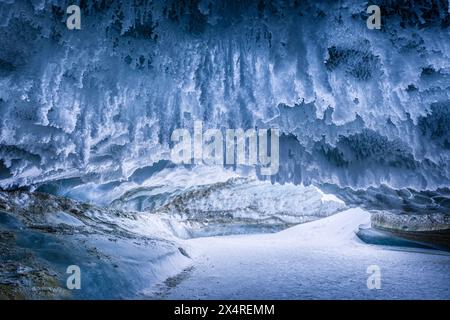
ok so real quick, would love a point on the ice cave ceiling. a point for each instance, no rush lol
(356, 107)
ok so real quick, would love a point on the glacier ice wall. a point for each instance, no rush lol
(223, 203)
(356, 107)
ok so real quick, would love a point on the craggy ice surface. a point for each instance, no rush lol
(356, 107)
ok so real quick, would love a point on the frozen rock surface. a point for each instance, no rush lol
(120, 254)
(409, 222)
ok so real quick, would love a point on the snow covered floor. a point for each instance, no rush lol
(318, 260)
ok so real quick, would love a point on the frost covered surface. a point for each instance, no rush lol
(357, 107)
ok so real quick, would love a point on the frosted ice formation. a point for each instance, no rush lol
(356, 107)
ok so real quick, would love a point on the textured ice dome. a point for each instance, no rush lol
(356, 107)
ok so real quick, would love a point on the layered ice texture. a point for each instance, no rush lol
(356, 107)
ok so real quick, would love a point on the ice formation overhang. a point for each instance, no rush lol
(356, 107)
